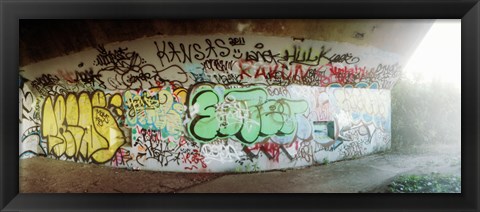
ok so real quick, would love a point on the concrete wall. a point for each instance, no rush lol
(209, 103)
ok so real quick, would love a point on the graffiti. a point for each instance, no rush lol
(347, 74)
(388, 71)
(305, 152)
(322, 107)
(195, 159)
(200, 77)
(380, 140)
(87, 77)
(258, 118)
(81, 126)
(232, 112)
(169, 52)
(363, 104)
(150, 145)
(271, 150)
(118, 58)
(358, 35)
(218, 65)
(331, 146)
(261, 56)
(388, 74)
(361, 134)
(227, 79)
(122, 157)
(321, 75)
(221, 153)
(130, 71)
(236, 41)
(272, 74)
(32, 143)
(37, 109)
(183, 54)
(278, 91)
(352, 150)
(197, 72)
(298, 91)
(223, 102)
(44, 81)
(156, 109)
(48, 84)
(152, 150)
(308, 57)
(384, 74)
(27, 105)
(303, 132)
(319, 101)
(300, 65)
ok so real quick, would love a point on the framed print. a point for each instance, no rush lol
(184, 98)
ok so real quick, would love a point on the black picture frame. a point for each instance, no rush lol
(12, 11)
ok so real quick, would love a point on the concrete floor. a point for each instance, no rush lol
(367, 174)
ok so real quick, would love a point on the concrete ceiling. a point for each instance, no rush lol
(46, 39)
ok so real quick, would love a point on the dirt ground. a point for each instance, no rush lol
(368, 174)
(44, 175)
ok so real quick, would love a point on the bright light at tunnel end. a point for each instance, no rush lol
(438, 56)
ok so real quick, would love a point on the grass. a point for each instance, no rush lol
(432, 183)
(325, 161)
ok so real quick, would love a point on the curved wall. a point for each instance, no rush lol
(209, 103)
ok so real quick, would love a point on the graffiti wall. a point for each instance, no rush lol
(209, 103)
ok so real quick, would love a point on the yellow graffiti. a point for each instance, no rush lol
(82, 126)
(181, 93)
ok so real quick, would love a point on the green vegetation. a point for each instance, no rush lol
(433, 183)
(425, 115)
(325, 161)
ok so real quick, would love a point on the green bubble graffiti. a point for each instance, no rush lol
(246, 114)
